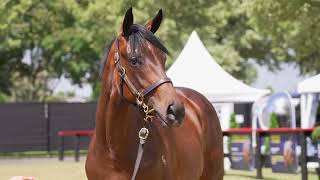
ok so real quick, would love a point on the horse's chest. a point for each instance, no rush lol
(189, 165)
(178, 164)
(187, 157)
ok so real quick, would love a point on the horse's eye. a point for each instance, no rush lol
(134, 61)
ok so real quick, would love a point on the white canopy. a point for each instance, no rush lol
(310, 90)
(196, 69)
(311, 85)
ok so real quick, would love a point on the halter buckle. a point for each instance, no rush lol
(143, 133)
(122, 71)
(139, 99)
(116, 57)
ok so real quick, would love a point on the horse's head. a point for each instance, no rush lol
(140, 59)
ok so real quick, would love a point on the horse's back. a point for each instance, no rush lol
(201, 114)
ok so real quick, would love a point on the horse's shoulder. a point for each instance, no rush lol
(193, 95)
(197, 103)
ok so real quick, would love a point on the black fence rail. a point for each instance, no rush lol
(34, 126)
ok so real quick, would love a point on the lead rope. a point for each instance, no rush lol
(143, 135)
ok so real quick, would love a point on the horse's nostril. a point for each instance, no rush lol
(171, 112)
(175, 112)
(171, 117)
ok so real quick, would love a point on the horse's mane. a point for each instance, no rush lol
(137, 36)
(105, 57)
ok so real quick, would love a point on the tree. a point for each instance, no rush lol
(41, 40)
(29, 88)
(291, 28)
(222, 25)
(236, 31)
(215, 21)
(67, 37)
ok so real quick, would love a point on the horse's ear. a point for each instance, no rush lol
(127, 22)
(154, 24)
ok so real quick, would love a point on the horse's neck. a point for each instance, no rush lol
(121, 121)
(116, 124)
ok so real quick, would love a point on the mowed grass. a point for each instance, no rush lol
(52, 169)
(43, 169)
(267, 175)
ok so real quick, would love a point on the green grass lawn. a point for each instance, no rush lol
(52, 169)
(43, 169)
(267, 174)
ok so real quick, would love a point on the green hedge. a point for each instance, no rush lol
(316, 134)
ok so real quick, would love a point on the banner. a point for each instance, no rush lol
(241, 152)
(283, 153)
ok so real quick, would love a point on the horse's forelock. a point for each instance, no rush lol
(148, 35)
(137, 35)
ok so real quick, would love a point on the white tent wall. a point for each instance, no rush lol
(310, 94)
(224, 111)
(308, 107)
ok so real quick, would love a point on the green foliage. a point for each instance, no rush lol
(34, 30)
(34, 89)
(95, 91)
(316, 134)
(267, 145)
(60, 97)
(292, 29)
(29, 88)
(67, 37)
(3, 97)
(233, 125)
(233, 122)
(274, 122)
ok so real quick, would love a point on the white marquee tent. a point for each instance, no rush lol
(310, 90)
(196, 69)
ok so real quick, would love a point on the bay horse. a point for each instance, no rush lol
(185, 139)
